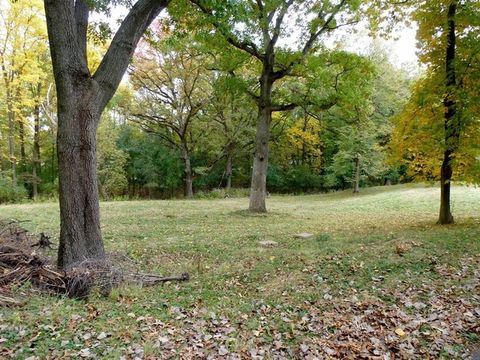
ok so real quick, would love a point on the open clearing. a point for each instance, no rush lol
(378, 278)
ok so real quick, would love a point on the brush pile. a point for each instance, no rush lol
(20, 265)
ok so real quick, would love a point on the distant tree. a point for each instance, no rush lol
(255, 28)
(173, 90)
(22, 55)
(151, 166)
(232, 110)
(111, 162)
(82, 97)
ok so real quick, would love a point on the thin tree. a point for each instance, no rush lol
(452, 119)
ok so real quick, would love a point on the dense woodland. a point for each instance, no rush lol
(236, 100)
(184, 120)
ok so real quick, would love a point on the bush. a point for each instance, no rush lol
(302, 178)
(10, 193)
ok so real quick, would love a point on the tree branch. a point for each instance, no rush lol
(81, 23)
(244, 45)
(284, 107)
(279, 21)
(116, 60)
(314, 35)
(66, 54)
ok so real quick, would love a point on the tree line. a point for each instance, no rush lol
(228, 94)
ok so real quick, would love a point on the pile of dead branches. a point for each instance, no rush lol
(20, 265)
(17, 267)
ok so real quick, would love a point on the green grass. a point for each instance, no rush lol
(216, 241)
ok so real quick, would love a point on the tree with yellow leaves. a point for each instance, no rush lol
(23, 51)
(438, 133)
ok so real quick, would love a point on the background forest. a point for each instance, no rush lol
(183, 121)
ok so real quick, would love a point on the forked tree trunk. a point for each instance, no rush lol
(452, 121)
(80, 235)
(258, 188)
(81, 98)
(356, 180)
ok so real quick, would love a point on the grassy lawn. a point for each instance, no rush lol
(378, 277)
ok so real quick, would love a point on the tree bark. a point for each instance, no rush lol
(258, 189)
(452, 122)
(80, 235)
(356, 181)
(81, 101)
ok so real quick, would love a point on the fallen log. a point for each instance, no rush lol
(153, 279)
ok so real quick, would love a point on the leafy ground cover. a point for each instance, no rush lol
(377, 280)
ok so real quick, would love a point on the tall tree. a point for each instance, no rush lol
(452, 119)
(22, 39)
(257, 28)
(82, 97)
(231, 109)
(437, 134)
(173, 90)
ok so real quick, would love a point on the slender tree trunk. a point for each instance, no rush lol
(11, 144)
(36, 149)
(54, 172)
(258, 189)
(446, 216)
(304, 143)
(356, 181)
(188, 179)
(229, 170)
(80, 235)
(452, 121)
(23, 155)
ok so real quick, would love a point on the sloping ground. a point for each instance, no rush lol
(378, 280)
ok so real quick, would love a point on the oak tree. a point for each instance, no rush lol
(82, 97)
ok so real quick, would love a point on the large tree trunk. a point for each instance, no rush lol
(80, 235)
(36, 148)
(81, 98)
(188, 179)
(356, 180)
(452, 121)
(258, 189)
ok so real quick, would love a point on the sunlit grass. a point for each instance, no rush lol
(217, 242)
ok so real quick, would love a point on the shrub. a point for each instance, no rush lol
(10, 193)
